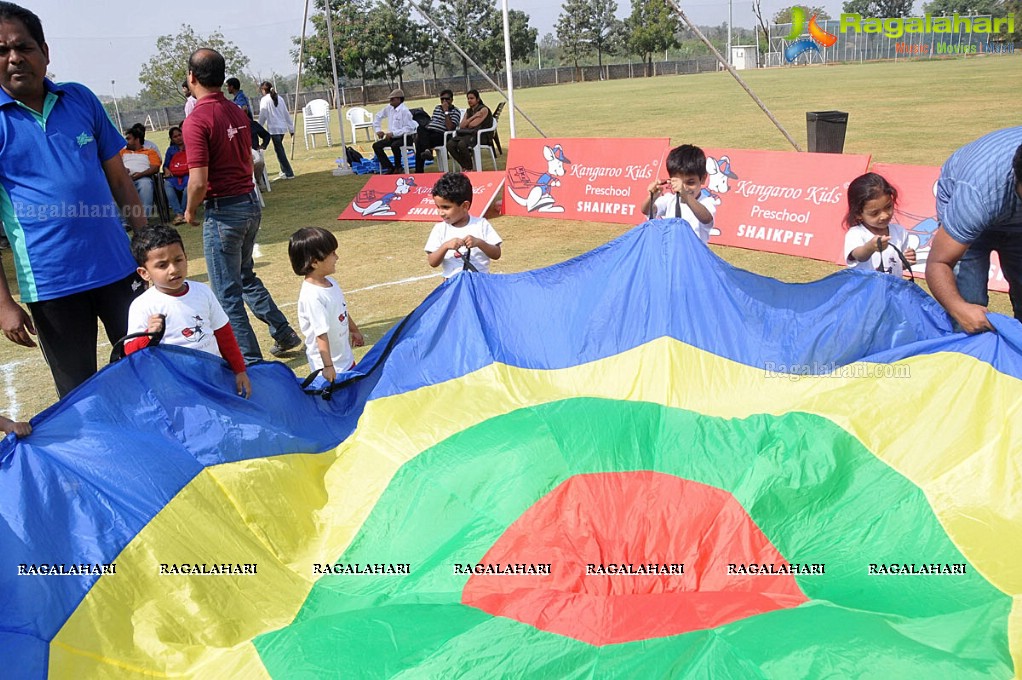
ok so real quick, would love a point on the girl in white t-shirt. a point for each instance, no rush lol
(323, 317)
(872, 242)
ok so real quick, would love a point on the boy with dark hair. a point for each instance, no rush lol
(460, 234)
(323, 316)
(187, 311)
(686, 167)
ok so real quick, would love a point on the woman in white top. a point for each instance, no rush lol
(274, 117)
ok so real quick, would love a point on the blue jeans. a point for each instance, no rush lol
(972, 271)
(174, 200)
(144, 186)
(228, 236)
(278, 148)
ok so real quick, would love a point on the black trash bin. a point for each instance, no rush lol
(826, 130)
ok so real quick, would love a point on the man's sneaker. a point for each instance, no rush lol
(286, 344)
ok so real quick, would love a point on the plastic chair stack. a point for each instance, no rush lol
(317, 121)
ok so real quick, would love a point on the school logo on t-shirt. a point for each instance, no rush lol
(194, 333)
(84, 138)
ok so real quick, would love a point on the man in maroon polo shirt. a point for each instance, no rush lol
(218, 137)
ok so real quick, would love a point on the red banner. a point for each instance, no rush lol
(409, 198)
(917, 212)
(599, 180)
(781, 202)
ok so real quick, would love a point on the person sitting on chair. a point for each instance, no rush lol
(175, 171)
(477, 117)
(399, 123)
(445, 117)
(141, 163)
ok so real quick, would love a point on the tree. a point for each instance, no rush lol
(406, 38)
(573, 30)
(605, 30)
(1014, 7)
(549, 50)
(651, 28)
(162, 75)
(360, 41)
(784, 16)
(994, 8)
(463, 20)
(879, 8)
(431, 54)
(521, 35)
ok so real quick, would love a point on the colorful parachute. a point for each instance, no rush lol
(642, 462)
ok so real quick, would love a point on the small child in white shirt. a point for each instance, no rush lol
(323, 317)
(187, 312)
(873, 242)
(460, 233)
(686, 167)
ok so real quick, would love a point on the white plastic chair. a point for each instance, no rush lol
(360, 119)
(259, 170)
(316, 115)
(406, 146)
(477, 150)
(440, 152)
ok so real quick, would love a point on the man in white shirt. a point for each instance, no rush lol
(399, 123)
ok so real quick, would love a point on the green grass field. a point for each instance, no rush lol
(912, 112)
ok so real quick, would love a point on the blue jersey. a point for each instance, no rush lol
(57, 208)
(976, 189)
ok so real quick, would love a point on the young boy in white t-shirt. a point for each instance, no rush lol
(323, 316)
(686, 167)
(187, 311)
(460, 233)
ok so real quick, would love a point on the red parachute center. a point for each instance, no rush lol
(594, 524)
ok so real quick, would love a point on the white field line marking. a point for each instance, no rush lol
(8, 371)
(400, 282)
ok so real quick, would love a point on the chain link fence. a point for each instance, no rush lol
(162, 118)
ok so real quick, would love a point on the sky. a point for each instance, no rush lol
(98, 42)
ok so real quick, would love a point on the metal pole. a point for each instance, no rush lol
(734, 74)
(343, 168)
(117, 109)
(730, 18)
(298, 82)
(510, 78)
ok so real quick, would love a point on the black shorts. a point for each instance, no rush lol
(68, 328)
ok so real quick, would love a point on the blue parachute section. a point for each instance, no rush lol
(105, 460)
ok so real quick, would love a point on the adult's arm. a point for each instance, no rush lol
(476, 119)
(945, 252)
(264, 113)
(198, 179)
(287, 115)
(124, 192)
(378, 118)
(154, 165)
(15, 322)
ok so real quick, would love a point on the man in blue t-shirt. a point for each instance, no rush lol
(979, 206)
(260, 137)
(63, 190)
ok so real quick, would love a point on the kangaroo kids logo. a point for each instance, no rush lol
(817, 36)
